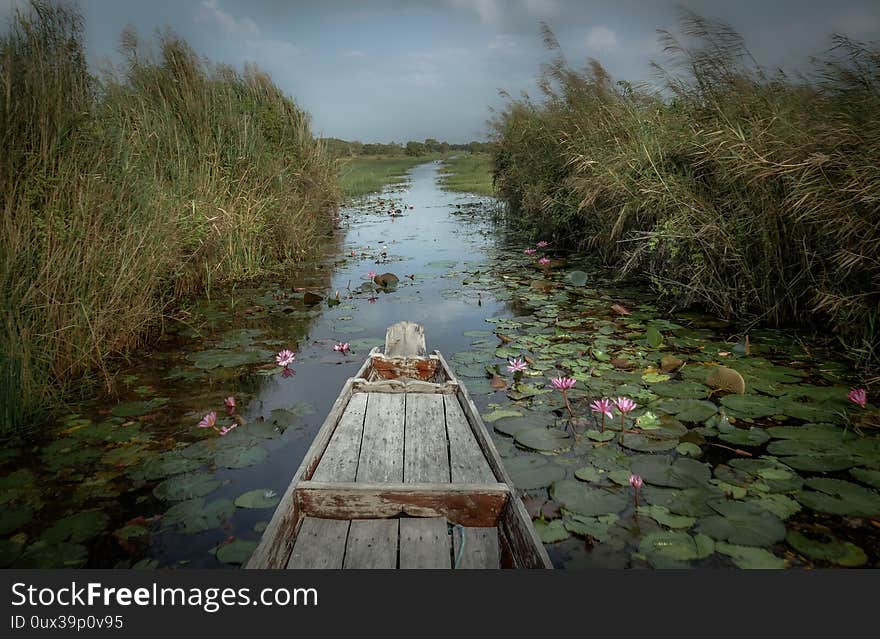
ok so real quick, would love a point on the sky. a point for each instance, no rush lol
(381, 70)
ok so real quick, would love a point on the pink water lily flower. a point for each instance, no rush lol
(227, 429)
(563, 383)
(543, 244)
(285, 358)
(371, 275)
(624, 405)
(858, 396)
(229, 402)
(602, 407)
(530, 251)
(341, 347)
(208, 420)
(516, 365)
(636, 482)
(543, 261)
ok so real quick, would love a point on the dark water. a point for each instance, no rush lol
(139, 484)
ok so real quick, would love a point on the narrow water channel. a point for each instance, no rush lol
(729, 479)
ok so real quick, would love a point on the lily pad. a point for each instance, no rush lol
(742, 524)
(42, 554)
(193, 516)
(667, 549)
(259, 498)
(839, 497)
(577, 498)
(240, 456)
(645, 444)
(187, 486)
(236, 552)
(578, 278)
(131, 409)
(749, 557)
(544, 439)
(77, 528)
(752, 406)
(835, 551)
(870, 477)
(753, 436)
(688, 410)
(664, 471)
(221, 358)
(497, 414)
(532, 471)
(552, 531)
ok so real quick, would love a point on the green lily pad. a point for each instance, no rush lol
(42, 554)
(870, 477)
(749, 557)
(552, 531)
(688, 448)
(664, 471)
(645, 444)
(599, 436)
(666, 549)
(240, 456)
(680, 389)
(532, 471)
(164, 465)
(839, 497)
(662, 516)
(587, 527)
(236, 552)
(578, 278)
(187, 486)
(193, 516)
(587, 474)
(742, 524)
(754, 436)
(131, 409)
(654, 337)
(259, 498)
(77, 528)
(221, 358)
(836, 551)
(545, 439)
(497, 414)
(751, 406)
(688, 410)
(577, 498)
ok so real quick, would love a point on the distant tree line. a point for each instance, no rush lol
(346, 148)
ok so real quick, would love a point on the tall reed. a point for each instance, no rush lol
(124, 192)
(753, 194)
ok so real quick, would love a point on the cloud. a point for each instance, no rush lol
(210, 11)
(502, 42)
(601, 38)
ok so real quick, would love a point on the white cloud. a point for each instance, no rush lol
(211, 12)
(502, 42)
(601, 38)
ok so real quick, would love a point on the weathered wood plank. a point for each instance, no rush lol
(405, 339)
(372, 543)
(320, 543)
(424, 543)
(276, 543)
(480, 548)
(415, 368)
(381, 456)
(466, 459)
(525, 545)
(426, 453)
(466, 504)
(405, 386)
(339, 462)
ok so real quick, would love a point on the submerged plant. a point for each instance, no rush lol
(602, 407)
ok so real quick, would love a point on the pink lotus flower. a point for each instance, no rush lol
(603, 407)
(516, 365)
(341, 347)
(208, 420)
(636, 482)
(543, 244)
(229, 402)
(563, 383)
(287, 372)
(285, 358)
(227, 429)
(858, 396)
(530, 251)
(543, 261)
(624, 405)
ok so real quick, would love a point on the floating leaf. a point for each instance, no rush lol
(532, 471)
(749, 557)
(751, 406)
(654, 337)
(497, 414)
(669, 548)
(193, 516)
(241, 456)
(186, 486)
(726, 379)
(743, 524)
(835, 551)
(839, 497)
(577, 498)
(546, 439)
(551, 532)
(599, 436)
(77, 528)
(753, 436)
(131, 409)
(259, 498)
(236, 552)
(578, 278)
(587, 473)
(662, 516)
(664, 471)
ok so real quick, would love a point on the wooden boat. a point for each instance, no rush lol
(402, 474)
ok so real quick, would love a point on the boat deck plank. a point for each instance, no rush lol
(372, 543)
(381, 456)
(468, 464)
(426, 456)
(320, 543)
(424, 543)
(481, 549)
(340, 460)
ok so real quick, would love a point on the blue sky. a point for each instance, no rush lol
(378, 70)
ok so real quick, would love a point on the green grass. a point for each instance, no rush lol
(363, 175)
(468, 173)
(123, 194)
